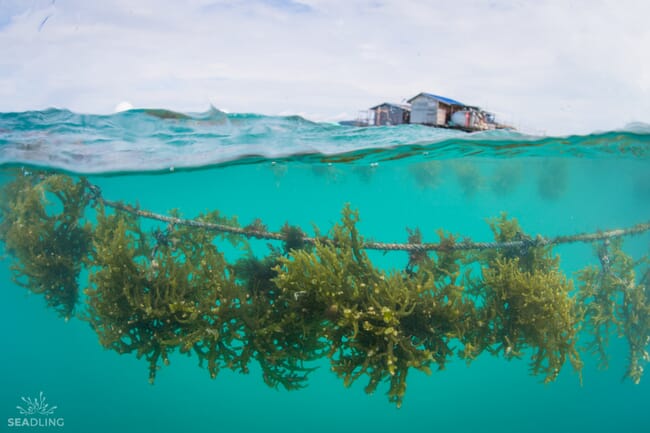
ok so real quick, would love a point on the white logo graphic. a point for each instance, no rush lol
(36, 412)
(36, 406)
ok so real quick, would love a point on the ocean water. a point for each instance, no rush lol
(287, 169)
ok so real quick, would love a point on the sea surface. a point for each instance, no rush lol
(288, 169)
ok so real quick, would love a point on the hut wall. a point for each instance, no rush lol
(443, 115)
(381, 117)
(389, 115)
(396, 115)
(424, 110)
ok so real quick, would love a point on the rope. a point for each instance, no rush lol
(538, 241)
(382, 246)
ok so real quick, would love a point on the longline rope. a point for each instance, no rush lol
(259, 233)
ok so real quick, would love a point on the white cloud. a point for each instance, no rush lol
(553, 65)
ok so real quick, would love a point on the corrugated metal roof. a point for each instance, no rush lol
(392, 104)
(442, 99)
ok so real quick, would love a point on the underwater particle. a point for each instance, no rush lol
(426, 174)
(468, 176)
(506, 177)
(552, 180)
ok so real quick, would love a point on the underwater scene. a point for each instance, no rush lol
(163, 271)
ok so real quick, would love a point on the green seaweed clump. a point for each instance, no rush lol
(526, 303)
(613, 301)
(42, 225)
(636, 327)
(271, 335)
(159, 284)
(375, 324)
(151, 295)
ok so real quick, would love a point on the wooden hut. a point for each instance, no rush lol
(388, 113)
(433, 110)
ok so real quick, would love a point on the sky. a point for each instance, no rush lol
(553, 67)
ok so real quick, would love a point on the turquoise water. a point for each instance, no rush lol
(289, 169)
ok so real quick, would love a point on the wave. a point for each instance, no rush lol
(145, 140)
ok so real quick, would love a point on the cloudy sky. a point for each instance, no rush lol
(548, 66)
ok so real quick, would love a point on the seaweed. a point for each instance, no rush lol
(165, 287)
(152, 298)
(613, 301)
(294, 238)
(42, 226)
(531, 309)
(526, 302)
(256, 275)
(376, 324)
